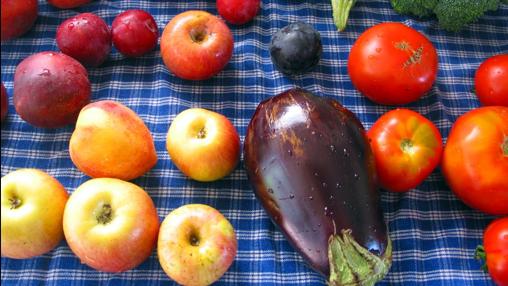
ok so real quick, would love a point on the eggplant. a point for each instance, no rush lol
(311, 167)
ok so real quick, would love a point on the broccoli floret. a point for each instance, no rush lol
(454, 14)
(451, 14)
(420, 8)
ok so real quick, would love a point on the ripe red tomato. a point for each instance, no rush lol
(495, 250)
(491, 81)
(407, 147)
(391, 63)
(475, 159)
(238, 11)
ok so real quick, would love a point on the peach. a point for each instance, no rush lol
(111, 140)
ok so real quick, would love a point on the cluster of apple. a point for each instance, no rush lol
(109, 223)
(113, 226)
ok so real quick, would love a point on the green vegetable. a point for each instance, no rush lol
(341, 10)
(451, 14)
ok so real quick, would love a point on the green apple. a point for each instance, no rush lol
(33, 203)
(110, 224)
(196, 245)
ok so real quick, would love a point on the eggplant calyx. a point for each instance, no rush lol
(352, 264)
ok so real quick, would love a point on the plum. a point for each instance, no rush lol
(85, 37)
(296, 48)
(67, 4)
(134, 32)
(50, 89)
(5, 103)
(17, 17)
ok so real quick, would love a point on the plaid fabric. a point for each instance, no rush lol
(434, 235)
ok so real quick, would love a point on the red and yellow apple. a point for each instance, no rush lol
(111, 140)
(18, 16)
(33, 203)
(196, 245)
(110, 224)
(196, 45)
(203, 144)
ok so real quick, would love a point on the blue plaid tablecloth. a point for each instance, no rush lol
(434, 235)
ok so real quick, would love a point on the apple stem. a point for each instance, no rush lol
(201, 133)
(15, 203)
(194, 240)
(198, 35)
(406, 145)
(104, 216)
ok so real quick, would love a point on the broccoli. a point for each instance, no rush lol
(420, 8)
(451, 14)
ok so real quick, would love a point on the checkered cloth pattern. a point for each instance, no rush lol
(434, 235)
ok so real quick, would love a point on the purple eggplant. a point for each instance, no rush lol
(312, 169)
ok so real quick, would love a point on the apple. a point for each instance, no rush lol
(33, 204)
(238, 12)
(134, 32)
(50, 89)
(196, 45)
(4, 102)
(110, 140)
(196, 245)
(18, 17)
(85, 37)
(203, 144)
(110, 224)
(67, 4)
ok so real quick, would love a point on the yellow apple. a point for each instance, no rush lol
(33, 203)
(203, 144)
(196, 245)
(110, 224)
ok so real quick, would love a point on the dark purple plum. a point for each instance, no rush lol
(296, 48)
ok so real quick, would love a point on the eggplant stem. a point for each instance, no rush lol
(352, 264)
(341, 10)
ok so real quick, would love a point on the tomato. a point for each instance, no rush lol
(407, 147)
(391, 63)
(475, 159)
(495, 250)
(491, 81)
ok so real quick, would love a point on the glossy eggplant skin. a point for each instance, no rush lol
(312, 169)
